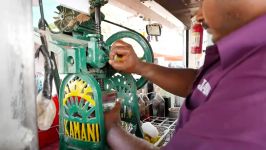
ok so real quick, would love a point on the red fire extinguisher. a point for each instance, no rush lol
(196, 38)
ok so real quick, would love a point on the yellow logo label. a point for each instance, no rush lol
(77, 91)
(82, 131)
(78, 88)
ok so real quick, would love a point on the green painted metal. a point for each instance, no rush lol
(125, 86)
(95, 3)
(87, 65)
(72, 58)
(97, 57)
(83, 58)
(81, 113)
(148, 54)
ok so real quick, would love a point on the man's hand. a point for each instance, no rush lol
(117, 137)
(123, 58)
(112, 118)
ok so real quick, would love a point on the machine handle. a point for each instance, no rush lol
(148, 54)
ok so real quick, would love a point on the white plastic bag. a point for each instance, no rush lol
(46, 110)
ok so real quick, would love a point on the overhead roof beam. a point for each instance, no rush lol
(135, 6)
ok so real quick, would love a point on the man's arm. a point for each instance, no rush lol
(118, 138)
(173, 80)
(176, 81)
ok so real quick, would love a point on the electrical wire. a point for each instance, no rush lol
(121, 26)
(43, 23)
(48, 71)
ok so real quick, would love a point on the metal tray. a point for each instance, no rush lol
(165, 126)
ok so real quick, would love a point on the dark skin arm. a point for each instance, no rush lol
(176, 81)
(118, 138)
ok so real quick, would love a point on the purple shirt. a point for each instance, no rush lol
(227, 107)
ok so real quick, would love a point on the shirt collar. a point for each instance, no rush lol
(245, 39)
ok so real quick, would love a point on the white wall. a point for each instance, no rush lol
(17, 91)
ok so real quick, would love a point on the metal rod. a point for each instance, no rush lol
(98, 21)
(48, 77)
(55, 73)
(187, 48)
(42, 20)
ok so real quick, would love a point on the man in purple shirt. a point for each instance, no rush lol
(226, 98)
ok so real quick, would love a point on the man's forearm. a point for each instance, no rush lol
(119, 139)
(176, 81)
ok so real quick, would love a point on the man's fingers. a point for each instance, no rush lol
(120, 43)
(117, 65)
(117, 106)
(118, 50)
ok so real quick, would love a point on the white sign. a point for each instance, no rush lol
(204, 87)
(77, 5)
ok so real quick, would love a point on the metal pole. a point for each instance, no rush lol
(187, 48)
(17, 85)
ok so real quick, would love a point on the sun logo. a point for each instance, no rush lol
(78, 88)
(78, 100)
(79, 118)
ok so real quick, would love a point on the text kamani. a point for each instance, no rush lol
(82, 131)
